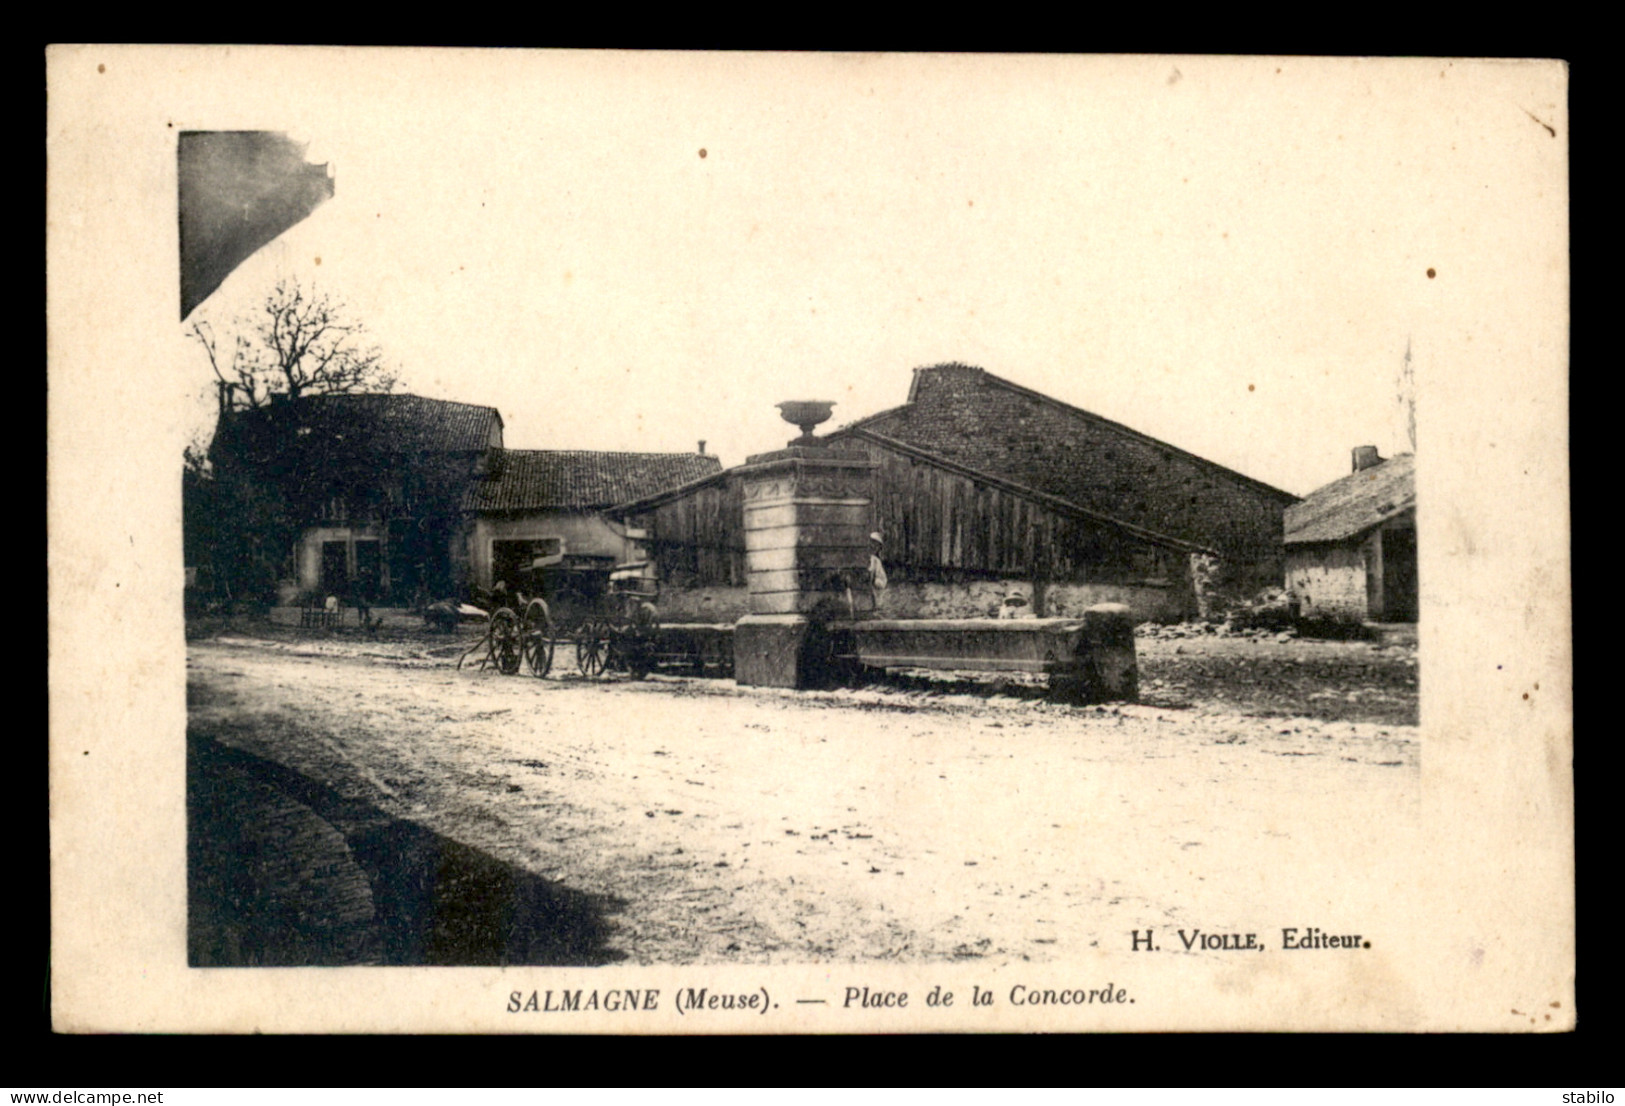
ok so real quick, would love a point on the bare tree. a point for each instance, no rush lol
(299, 343)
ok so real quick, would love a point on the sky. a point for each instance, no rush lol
(635, 252)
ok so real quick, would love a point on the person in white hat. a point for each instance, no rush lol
(1015, 606)
(877, 571)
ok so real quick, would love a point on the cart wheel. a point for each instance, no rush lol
(592, 648)
(505, 642)
(537, 630)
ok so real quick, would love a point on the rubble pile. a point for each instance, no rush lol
(1270, 609)
(1267, 615)
(1173, 632)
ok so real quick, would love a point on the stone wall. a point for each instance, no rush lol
(1328, 582)
(308, 554)
(973, 599)
(983, 598)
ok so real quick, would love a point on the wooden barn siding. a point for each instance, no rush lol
(699, 540)
(938, 526)
(941, 524)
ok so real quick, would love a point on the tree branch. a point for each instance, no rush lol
(305, 346)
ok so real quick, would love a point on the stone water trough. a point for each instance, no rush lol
(1088, 659)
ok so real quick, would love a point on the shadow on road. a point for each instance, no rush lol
(284, 872)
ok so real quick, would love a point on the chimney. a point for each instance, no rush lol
(1365, 457)
(702, 446)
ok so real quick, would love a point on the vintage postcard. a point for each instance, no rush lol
(658, 543)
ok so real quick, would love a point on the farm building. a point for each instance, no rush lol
(546, 502)
(353, 495)
(969, 417)
(957, 541)
(393, 499)
(1351, 546)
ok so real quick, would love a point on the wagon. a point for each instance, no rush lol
(605, 611)
(516, 638)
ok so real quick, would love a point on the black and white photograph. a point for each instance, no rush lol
(667, 543)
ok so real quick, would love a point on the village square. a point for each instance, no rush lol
(516, 637)
(897, 691)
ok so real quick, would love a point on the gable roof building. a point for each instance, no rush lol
(1350, 507)
(392, 496)
(581, 480)
(956, 539)
(361, 425)
(363, 492)
(1351, 545)
(532, 501)
(992, 425)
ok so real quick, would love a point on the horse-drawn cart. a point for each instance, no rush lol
(604, 611)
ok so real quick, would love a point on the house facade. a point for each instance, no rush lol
(395, 500)
(541, 502)
(971, 417)
(1351, 545)
(363, 492)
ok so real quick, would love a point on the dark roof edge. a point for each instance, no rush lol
(1064, 505)
(470, 504)
(1408, 505)
(858, 424)
(381, 395)
(1270, 489)
(613, 452)
(581, 508)
(390, 395)
(650, 502)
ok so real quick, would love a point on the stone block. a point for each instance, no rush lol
(765, 516)
(791, 536)
(809, 557)
(1110, 667)
(785, 650)
(767, 650)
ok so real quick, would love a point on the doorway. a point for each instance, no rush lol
(368, 570)
(1399, 586)
(335, 568)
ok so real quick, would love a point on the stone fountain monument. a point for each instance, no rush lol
(809, 510)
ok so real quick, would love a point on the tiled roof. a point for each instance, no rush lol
(651, 500)
(536, 479)
(369, 424)
(944, 439)
(1354, 504)
(1055, 503)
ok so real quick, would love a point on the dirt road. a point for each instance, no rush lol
(488, 819)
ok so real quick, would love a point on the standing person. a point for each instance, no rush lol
(877, 571)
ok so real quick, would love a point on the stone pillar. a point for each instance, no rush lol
(808, 516)
(1110, 669)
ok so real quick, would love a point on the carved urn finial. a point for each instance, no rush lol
(806, 414)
